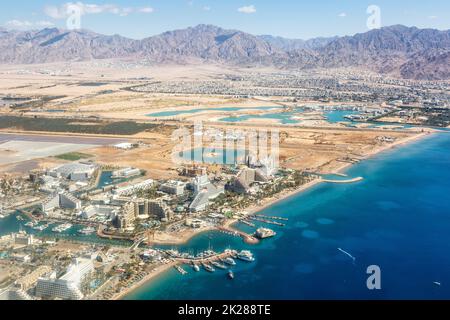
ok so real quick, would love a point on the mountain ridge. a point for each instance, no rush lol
(407, 52)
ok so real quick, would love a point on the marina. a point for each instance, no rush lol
(63, 227)
(306, 251)
(180, 270)
(276, 223)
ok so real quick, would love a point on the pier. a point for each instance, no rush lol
(180, 270)
(255, 218)
(271, 217)
(245, 236)
(200, 261)
(345, 181)
(248, 223)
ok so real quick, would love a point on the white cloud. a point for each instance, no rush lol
(432, 17)
(44, 23)
(247, 9)
(342, 15)
(146, 10)
(65, 10)
(18, 24)
(206, 8)
(25, 24)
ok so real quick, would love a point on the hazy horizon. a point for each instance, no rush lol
(290, 19)
(193, 26)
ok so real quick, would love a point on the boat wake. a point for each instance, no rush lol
(347, 254)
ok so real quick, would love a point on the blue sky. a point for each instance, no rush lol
(288, 18)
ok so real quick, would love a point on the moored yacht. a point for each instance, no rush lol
(218, 265)
(246, 255)
(208, 267)
(87, 231)
(62, 227)
(230, 261)
(195, 267)
(263, 233)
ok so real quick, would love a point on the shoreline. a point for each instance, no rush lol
(268, 203)
(158, 271)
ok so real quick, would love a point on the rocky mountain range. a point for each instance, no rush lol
(406, 52)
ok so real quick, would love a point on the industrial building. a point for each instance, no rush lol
(75, 171)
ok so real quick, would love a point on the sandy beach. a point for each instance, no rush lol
(151, 276)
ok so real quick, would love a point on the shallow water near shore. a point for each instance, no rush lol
(398, 218)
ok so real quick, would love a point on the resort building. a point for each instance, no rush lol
(68, 286)
(126, 173)
(267, 166)
(130, 189)
(126, 218)
(193, 171)
(49, 184)
(61, 200)
(160, 210)
(195, 223)
(173, 187)
(103, 211)
(244, 180)
(144, 208)
(204, 192)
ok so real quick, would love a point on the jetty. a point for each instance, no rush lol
(345, 181)
(201, 261)
(180, 270)
(248, 223)
(245, 236)
(271, 217)
(255, 218)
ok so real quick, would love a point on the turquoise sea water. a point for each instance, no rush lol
(192, 111)
(282, 117)
(10, 225)
(397, 218)
(213, 155)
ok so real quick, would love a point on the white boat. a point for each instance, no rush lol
(246, 255)
(42, 227)
(218, 265)
(87, 231)
(62, 227)
(196, 267)
(229, 261)
(230, 274)
(263, 233)
(30, 224)
(208, 267)
(2, 216)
